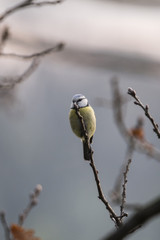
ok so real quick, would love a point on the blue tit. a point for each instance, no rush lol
(87, 112)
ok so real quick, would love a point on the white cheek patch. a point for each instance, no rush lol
(82, 103)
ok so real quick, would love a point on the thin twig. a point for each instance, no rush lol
(138, 219)
(115, 193)
(132, 93)
(5, 226)
(32, 203)
(122, 213)
(101, 196)
(24, 4)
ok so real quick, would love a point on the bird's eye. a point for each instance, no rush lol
(79, 100)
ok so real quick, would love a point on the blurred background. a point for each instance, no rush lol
(102, 39)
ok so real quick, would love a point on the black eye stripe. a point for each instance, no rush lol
(79, 100)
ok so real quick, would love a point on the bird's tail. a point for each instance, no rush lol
(86, 150)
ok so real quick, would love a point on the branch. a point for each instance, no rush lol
(9, 83)
(115, 193)
(117, 103)
(33, 66)
(26, 3)
(32, 203)
(4, 36)
(101, 196)
(122, 213)
(47, 51)
(5, 226)
(145, 109)
(141, 146)
(138, 219)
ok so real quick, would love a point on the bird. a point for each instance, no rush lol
(80, 102)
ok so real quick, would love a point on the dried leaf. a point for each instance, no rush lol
(20, 233)
(137, 133)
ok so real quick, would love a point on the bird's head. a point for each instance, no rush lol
(80, 100)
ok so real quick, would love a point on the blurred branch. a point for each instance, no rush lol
(129, 206)
(138, 219)
(47, 51)
(32, 203)
(117, 103)
(17, 230)
(4, 36)
(24, 4)
(101, 196)
(132, 93)
(7, 83)
(5, 226)
(10, 82)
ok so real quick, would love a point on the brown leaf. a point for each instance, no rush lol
(20, 233)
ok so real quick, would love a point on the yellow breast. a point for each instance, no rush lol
(89, 120)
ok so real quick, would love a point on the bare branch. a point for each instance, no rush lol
(101, 196)
(117, 103)
(141, 146)
(10, 82)
(122, 213)
(4, 36)
(132, 93)
(33, 202)
(138, 219)
(24, 4)
(5, 226)
(115, 193)
(33, 66)
(43, 53)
